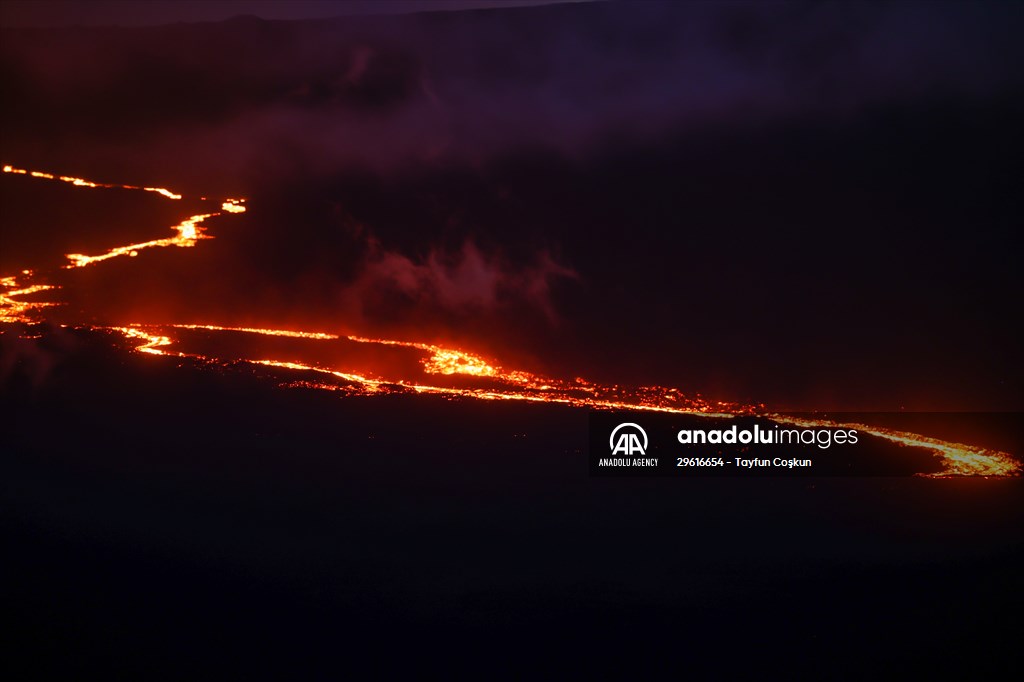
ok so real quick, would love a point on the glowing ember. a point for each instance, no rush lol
(445, 371)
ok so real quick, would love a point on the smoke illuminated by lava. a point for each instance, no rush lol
(445, 371)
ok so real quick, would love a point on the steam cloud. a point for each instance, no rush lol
(466, 281)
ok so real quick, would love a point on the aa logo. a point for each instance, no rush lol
(628, 439)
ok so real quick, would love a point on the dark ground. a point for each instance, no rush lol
(160, 520)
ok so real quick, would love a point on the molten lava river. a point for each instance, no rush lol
(27, 296)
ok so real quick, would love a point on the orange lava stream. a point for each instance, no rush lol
(188, 233)
(80, 182)
(451, 362)
(151, 345)
(264, 332)
(13, 310)
(440, 364)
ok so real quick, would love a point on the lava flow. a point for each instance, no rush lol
(444, 371)
(188, 231)
(12, 309)
(81, 182)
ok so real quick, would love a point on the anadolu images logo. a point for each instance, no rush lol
(626, 439)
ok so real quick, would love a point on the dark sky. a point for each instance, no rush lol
(47, 13)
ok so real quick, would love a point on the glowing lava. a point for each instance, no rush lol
(445, 371)
(14, 310)
(151, 344)
(188, 233)
(80, 182)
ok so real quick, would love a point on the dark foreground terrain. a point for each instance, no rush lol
(162, 520)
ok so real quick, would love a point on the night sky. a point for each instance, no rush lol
(50, 13)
